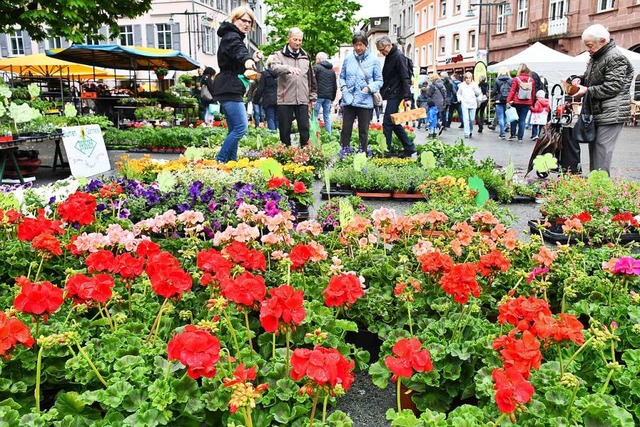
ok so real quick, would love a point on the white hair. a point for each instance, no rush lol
(595, 32)
(321, 56)
(444, 74)
(296, 31)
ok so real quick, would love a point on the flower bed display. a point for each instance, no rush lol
(157, 317)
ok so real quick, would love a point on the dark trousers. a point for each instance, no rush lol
(480, 115)
(388, 128)
(364, 116)
(454, 107)
(286, 113)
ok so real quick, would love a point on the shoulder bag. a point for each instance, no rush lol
(584, 131)
(377, 98)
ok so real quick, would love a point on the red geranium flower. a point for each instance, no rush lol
(29, 228)
(567, 328)
(196, 349)
(299, 187)
(213, 263)
(160, 261)
(323, 366)
(170, 281)
(522, 312)
(410, 358)
(582, 216)
(147, 248)
(110, 190)
(277, 182)
(12, 332)
(245, 290)
(511, 389)
(344, 289)
(37, 298)
(460, 281)
(47, 243)
(523, 353)
(493, 261)
(128, 266)
(250, 259)
(436, 262)
(102, 260)
(285, 305)
(12, 216)
(300, 254)
(78, 208)
(86, 290)
(625, 219)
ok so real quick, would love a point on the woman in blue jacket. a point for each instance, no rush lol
(360, 78)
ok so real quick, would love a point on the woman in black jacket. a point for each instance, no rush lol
(234, 59)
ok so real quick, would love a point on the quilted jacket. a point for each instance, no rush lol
(608, 78)
(353, 78)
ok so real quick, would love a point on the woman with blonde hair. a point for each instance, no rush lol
(468, 96)
(234, 59)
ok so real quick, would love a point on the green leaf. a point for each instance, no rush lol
(380, 374)
(476, 183)
(339, 419)
(285, 389)
(428, 160)
(115, 394)
(359, 161)
(282, 413)
(166, 181)
(327, 181)
(544, 163)
(346, 212)
(71, 404)
(509, 172)
(193, 153)
(270, 168)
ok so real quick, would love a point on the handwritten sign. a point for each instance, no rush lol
(85, 149)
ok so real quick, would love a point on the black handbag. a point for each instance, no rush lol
(584, 131)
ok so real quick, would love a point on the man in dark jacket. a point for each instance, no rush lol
(607, 85)
(327, 88)
(395, 89)
(266, 93)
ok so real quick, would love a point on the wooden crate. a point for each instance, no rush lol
(408, 116)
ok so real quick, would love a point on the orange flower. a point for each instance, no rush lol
(545, 257)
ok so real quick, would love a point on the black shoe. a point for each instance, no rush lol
(512, 137)
(460, 127)
(407, 154)
(479, 130)
(492, 127)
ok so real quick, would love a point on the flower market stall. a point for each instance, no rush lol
(187, 292)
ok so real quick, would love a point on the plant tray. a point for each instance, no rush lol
(554, 234)
(407, 196)
(335, 192)
(373, 194)
(518, 198)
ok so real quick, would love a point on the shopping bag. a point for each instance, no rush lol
(408, 116)
(511, 114)
(314, 128)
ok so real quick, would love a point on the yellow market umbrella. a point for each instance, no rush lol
(41, 65)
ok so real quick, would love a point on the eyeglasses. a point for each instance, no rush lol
(246, 21)
(381, 49)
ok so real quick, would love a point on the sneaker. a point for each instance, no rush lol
(535, 138)
(519, 140)
(512, 137)
(467, 136)
(470, 135)
(502, 137)
(461, 126)
(479, 130)
(491, 127)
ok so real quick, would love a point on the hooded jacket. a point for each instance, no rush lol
(326, 80)
(232, 54)
(541, 105)
(437, 93)
(495, 92)
(353, 80)
(515, 84)
(396, 77)
(294, 89)
(608, 80)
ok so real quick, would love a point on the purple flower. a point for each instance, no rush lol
(100, 207)
(628, 266)
(124, 214)
(183, 207)
(195, 189)
(94, 185)
(207, 195)
(271, 208)
(212, 206)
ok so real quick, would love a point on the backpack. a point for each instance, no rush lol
(454, 91)
(205, 93)
(504, 90)
(410, 67)
(524, 89)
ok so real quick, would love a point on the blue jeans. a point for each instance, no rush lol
(237, 124)
(501, 119)
(258, 114)
(272, 117)
(522, 111)
(388, 128)
(468, 116)
(326, 111)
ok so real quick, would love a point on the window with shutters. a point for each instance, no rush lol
(126, 35)
(472, 40)
(53, 43)
(456, 42)
(606, 5)
(522, 14)
(163, 35)
(442, 45)
(17, 43)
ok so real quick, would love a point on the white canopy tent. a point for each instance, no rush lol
(549, 63)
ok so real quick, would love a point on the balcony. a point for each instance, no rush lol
(545, 29)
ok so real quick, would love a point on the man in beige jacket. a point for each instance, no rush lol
(297, 88)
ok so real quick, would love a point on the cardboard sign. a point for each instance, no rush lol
(89, 95)
(85, 149)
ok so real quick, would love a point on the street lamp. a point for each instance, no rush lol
(188, 15)
(470, 14)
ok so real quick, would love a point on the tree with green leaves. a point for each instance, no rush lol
(326, 24)
(72, 19)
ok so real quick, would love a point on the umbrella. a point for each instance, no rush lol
(125, 57)
(41, 65)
